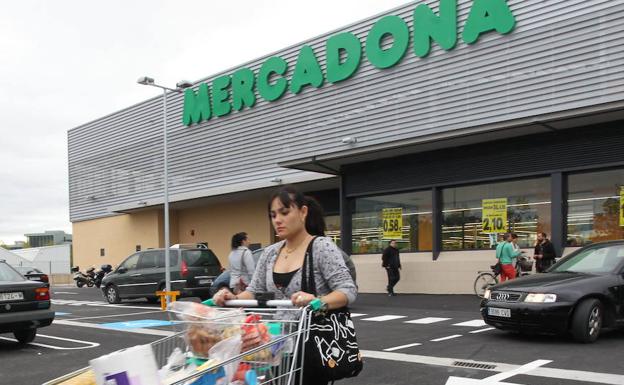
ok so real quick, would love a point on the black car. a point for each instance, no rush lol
(24, 305)
(581, 294)
(143, 274)
(33, 274)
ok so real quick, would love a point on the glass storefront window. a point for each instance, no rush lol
(594, 207)
(416, 230)
(528, 211)
(333, 228)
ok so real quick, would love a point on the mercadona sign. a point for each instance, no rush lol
(343, 55)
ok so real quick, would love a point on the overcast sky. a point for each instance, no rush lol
(67, 62)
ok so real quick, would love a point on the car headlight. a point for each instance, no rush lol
(540, 298)
(487, 293)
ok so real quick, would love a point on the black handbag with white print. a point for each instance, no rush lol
(331, 348)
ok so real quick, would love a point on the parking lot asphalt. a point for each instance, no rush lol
(408, 339)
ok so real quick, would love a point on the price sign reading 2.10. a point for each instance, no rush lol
(494, 215)
(392, 223)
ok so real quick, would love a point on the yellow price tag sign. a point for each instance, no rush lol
(622, 206)
(494, 215)
(392, 223)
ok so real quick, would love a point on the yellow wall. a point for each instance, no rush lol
(217, 223)
(118, 236)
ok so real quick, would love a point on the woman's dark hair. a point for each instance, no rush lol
(237, 239)
(289, 196)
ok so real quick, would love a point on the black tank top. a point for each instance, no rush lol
(282, 280)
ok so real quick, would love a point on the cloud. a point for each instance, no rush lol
(69, 62)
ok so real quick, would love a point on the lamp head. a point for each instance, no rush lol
(145, 80)
(184, 84)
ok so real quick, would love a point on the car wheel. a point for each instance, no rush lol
(25, 336)
(587, 320)
(112, 294)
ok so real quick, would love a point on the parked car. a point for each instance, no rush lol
(193, 271)
(581, 294)
(24, 305)
(33, 274)
(223, 280)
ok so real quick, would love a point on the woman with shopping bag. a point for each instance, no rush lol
(303, 266)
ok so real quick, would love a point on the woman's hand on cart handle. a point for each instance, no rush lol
(223, 295)
(301, 298)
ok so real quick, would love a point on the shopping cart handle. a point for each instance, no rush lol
(252, 303)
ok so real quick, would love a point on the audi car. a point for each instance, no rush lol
(582, 294)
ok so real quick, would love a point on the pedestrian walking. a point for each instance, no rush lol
(391, 261)
(297, 219)
(242, 265)
(506, 254)
(544, 253)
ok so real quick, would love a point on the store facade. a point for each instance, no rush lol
(439, 124)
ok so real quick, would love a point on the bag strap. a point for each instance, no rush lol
(307, 281)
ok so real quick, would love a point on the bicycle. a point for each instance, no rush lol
(487, 279)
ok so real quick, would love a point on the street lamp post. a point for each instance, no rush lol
(147, 81)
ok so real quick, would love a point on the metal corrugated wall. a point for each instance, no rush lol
(573, 149)
(563, 55)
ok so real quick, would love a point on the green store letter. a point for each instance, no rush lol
(442, 29)
(242, 89)
(196, 106)
(220, 96)
(307, 71)
(349, 44)
(268, 91)
(387, 25)
(485, 16)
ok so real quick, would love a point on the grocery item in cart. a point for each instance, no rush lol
(207, 326)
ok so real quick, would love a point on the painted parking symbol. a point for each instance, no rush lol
(144, 323)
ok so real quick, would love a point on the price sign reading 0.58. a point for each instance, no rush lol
(392, 220)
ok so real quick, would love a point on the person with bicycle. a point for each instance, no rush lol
(506, 253)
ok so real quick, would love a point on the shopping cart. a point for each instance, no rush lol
(282, 366)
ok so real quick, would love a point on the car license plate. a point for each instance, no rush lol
(11, 296)
(205, 281)
(498, 312)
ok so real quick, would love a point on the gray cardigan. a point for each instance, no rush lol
(330, 272)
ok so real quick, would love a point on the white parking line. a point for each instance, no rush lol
(384, 318)
(477, 323)
(88, 344)
(446, 338)
(402, 347)
(563, 374)
(153, 332)
(353, 315)
(481, 330)
(114, 315)
(426, 321)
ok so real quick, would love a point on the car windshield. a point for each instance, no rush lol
(7, 274)
(27, 270)
(198, 258)
(592, 260)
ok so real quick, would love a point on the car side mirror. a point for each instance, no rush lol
(122, 270)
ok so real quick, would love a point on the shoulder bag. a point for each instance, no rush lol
(331, 348)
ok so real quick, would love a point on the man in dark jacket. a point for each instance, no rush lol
(544, 253)
(392, 263)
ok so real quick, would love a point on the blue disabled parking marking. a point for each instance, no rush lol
(61, 313)
(144, 323)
